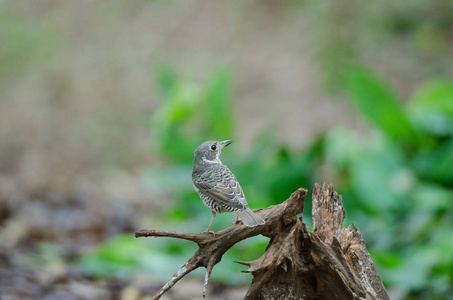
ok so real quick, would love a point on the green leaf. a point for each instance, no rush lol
(431, 107)
(341, 147)
(432, 197)
(379, 177)
(415, 270)
(192, 113)
(378, 104)
(221, 110)
(124, 254)
(436, 164)
(436, 95)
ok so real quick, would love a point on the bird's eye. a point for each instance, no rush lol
(213, 147)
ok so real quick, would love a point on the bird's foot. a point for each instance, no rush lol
(209, 231)
(238, 221)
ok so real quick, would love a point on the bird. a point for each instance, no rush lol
(218, 187)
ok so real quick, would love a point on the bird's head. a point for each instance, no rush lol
(210, 151)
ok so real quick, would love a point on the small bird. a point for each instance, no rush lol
(217, 186)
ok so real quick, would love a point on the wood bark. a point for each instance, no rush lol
(331, 262)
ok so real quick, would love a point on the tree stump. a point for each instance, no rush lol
(329, 263)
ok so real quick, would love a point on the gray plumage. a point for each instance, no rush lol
(217, 186)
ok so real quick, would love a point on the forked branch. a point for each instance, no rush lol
(331, 262)
(212, 247)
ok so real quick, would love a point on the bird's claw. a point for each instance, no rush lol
(209, 231)
(238, 220)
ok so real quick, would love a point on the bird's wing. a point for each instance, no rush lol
(221, 185)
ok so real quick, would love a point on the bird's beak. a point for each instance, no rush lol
(225, 143)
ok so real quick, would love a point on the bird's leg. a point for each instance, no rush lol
(210, 223)
(238, 220)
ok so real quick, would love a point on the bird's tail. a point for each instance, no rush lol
(250, 218)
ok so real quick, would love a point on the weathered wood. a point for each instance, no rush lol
(330, 263)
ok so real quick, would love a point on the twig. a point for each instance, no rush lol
(194, 237)
(185, 269)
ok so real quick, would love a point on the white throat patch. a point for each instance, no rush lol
(215, 161)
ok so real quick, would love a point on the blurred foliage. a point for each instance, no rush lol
(396, 179)
(400, 176)
(189, 113)
(124, 254)
(378, 104)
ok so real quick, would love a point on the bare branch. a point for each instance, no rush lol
(194, 237)
(188, 267)
(206, 278)
(330, 263)
(212, 247)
